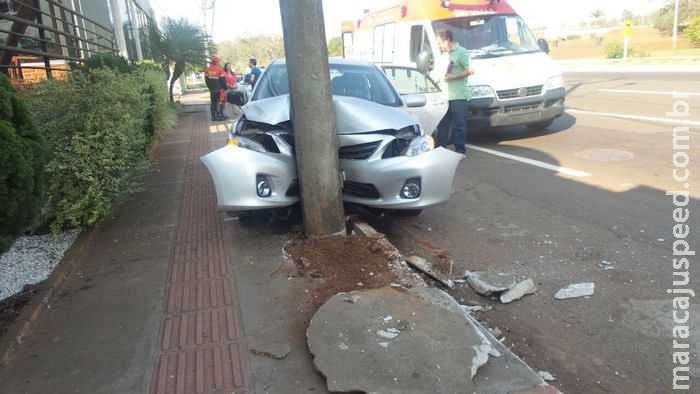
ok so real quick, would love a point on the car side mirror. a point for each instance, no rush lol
(415, 100)
(425, 62)
(544, 46)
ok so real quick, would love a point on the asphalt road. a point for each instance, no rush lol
(585, 201)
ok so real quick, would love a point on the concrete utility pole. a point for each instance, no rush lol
(313, 117)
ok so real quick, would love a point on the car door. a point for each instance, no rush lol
(407, 81)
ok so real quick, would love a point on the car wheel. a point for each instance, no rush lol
(540, 125)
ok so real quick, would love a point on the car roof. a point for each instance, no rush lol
(333, 61)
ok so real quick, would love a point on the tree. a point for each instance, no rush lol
(178, 44)
(627, 15)
(334, 47)
(692, 32)
(597, 14)
(686, 10)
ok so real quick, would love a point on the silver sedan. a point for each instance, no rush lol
(386, 159)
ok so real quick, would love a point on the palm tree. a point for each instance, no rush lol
(178, 44)
(597, 14)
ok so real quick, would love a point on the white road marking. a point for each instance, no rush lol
(536, 163)
(686, 122)
(666, 93)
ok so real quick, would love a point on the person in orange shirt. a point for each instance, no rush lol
(215, 78)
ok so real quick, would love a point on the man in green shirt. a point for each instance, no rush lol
(457, 92)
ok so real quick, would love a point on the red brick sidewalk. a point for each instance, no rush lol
(200, 332)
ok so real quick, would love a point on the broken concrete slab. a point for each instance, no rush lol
(518, 291)
(428, 267)
(486, 283)
(349, 352)
(575, 290)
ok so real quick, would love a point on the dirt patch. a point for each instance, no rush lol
(644, 41)
(344, 263)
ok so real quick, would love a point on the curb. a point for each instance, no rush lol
(39, 302)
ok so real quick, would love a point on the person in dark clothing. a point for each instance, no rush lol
(254, 72)
(215, 78)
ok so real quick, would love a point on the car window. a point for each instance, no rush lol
(356, 80)
(408, 80)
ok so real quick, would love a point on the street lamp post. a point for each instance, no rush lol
(675, 26)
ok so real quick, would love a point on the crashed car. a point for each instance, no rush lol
(386, 159)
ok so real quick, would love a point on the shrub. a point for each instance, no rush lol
(159, 115)
(22, 158)
(96, 151)
(108, 60)
(692, 31)
(616, 50)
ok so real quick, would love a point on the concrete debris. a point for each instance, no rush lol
(472, 308)
(428, 268)
(406, 363)
(548, 377)
(494, 353)
(606, 265)
(575, 290)
(277, 351)
(351, 298)
(518, 291)
(389, 333)
(487, 283)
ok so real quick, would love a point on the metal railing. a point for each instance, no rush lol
(45, 35)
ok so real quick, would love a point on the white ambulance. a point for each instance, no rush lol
(515, 81)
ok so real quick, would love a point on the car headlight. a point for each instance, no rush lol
(245, 143)
(420, 145)
(481, 91)
(556, 82)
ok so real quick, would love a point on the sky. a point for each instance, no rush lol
(235, 18)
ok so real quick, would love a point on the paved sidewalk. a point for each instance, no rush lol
(169, 296)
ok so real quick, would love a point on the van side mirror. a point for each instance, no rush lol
(544, 46)
(425, 62)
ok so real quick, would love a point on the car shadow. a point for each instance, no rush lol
(563, 123)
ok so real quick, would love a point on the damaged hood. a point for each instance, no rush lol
(352, 115)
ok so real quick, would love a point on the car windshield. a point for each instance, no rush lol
(356, 80)
(491, 35)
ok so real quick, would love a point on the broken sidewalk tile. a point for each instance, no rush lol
(427, 267)
(486, 283)
(438, 333)
(575, 290)
(518, 291)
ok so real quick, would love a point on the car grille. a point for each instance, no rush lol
(519, 92)
(519, 109)
(358, 152)
(363, 190)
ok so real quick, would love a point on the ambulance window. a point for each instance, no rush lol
(419, 41)
(383, 45)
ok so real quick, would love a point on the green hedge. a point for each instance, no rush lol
(22, 153)
(95, 123)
